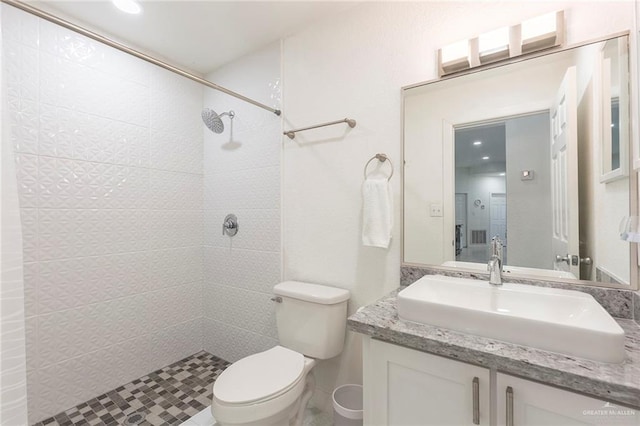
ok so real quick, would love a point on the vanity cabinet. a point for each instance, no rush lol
(405, 387)
(525, 403)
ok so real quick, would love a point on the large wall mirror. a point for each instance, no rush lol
(534, 152)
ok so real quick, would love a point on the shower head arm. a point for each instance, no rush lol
(231, 114)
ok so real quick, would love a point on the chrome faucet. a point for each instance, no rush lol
(495, 263)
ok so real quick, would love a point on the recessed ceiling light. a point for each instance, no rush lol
(128, 6)
(485, 158)
(476, 143)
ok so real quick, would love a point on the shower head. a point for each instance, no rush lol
(213, 121)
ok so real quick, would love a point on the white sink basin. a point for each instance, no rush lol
(564, 321)
(520, 270)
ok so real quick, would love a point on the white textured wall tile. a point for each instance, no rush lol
(27, 175)
(21, 71)
(23, 122)
(60, 336)
(29, 219)
(64, 43)
(258, 229)
(19, 26)
(31, 343)
(242, 176)
(247, 150)
(175, 190)
(174, 228)
(171, 150)
(248, 269)
(67, 233)
(112, 215)
(232, 343)
(173, 100)
(30, 277)
(173, 267)
(241, 308)
(67, 133)
(257, 188)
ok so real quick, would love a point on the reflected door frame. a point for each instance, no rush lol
(464, 119)
(463, 196)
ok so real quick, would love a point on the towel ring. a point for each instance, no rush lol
(382, 158)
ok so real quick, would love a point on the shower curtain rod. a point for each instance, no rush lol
(121, 47)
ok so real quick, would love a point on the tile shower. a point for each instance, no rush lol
(124, 272)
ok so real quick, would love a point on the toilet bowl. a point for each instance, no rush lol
(265, 389)
(272, 388)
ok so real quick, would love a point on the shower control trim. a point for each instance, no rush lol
(230, 225)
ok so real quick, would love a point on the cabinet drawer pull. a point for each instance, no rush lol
(476, 401)
(509, 406)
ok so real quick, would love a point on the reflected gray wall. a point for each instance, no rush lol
(529, 217)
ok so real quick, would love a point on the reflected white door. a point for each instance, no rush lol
(498, 217)
(564, 173)
(461, 217)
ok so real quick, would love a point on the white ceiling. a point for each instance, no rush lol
(197, 35)
(494, 146)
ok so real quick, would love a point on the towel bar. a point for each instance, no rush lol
(292, 133)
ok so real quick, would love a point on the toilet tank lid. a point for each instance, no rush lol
(314, 293)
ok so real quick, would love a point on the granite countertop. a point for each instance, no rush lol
(614, 382)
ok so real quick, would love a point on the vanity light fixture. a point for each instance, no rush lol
(128, 6)
(477, 143)
(454, 57)
(532, 35)
(542, 32)
(485, 158)
(494, 45)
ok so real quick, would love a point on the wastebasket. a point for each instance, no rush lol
(347, 405)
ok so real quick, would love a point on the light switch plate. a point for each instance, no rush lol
(436, 210)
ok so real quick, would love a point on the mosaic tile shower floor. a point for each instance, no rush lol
(169, 396)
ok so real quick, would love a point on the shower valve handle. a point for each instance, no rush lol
(230, 225)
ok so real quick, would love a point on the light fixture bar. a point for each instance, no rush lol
(542, 32)
(454, 57)
(532, 35)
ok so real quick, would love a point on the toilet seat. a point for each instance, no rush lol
(246, 403)
(260, 377)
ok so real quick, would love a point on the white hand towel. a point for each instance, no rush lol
(377, 213)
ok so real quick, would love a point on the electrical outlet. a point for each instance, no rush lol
(436, 210)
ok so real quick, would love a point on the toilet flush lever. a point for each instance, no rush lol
(276, 299)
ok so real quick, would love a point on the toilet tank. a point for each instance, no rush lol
(311, 318)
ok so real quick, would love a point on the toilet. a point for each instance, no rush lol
(272, 388)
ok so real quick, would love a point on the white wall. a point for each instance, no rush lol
(242, 176)
(109, 166)
(353, 65)
(602, 205)
(529, 215)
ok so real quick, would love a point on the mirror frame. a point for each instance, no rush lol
(634, 253)
(602, 113)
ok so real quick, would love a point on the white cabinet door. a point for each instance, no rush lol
(406, 387)
(533, 404)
